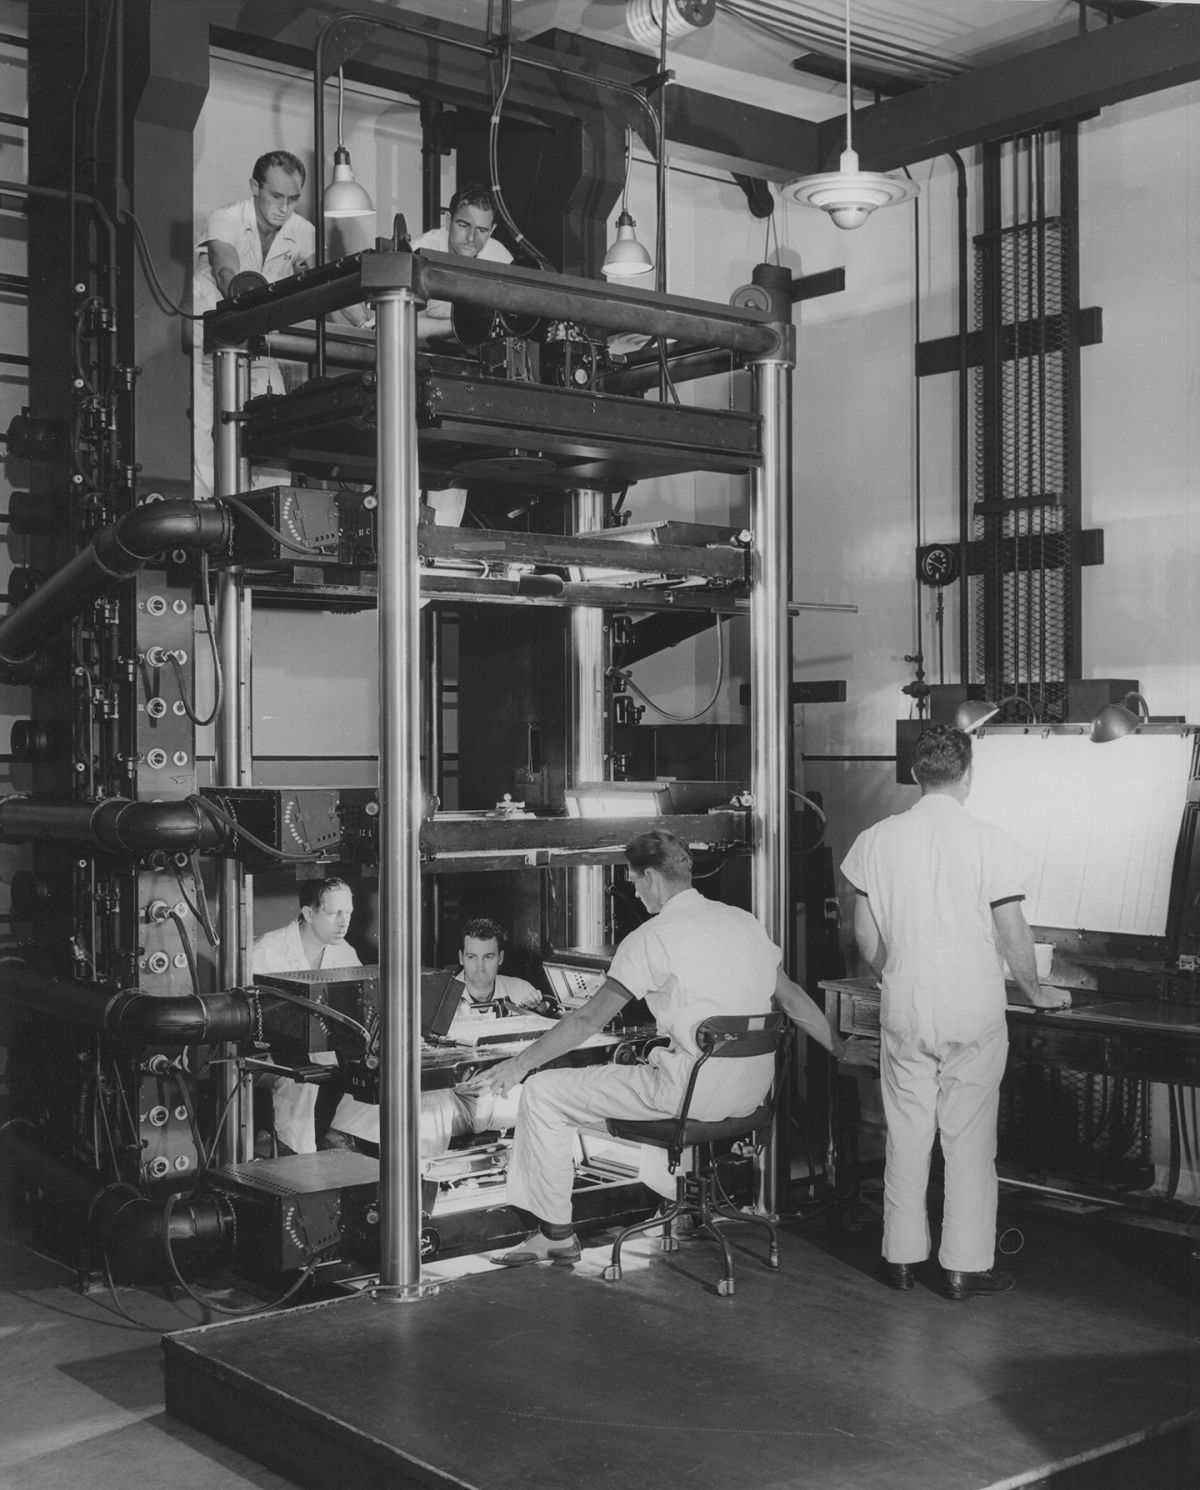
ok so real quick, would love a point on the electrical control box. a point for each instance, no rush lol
(338, 821)
(290, 1211)
(281, 526)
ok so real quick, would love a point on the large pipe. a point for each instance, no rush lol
(771, 674)
(399, 782)
(115, 825)
(116, 1215)
(114, 554)
(130, 1017)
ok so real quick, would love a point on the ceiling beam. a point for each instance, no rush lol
(1145, 54)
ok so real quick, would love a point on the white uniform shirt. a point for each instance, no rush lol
(932, 875)
(518, 993)
(698, 958)
(237, 225)
(437, 240)
(295, 1102)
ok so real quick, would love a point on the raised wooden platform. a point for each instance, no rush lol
(815, 1376)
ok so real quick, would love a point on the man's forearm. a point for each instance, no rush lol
(803, 1010)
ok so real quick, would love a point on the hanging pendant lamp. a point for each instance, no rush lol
(626, 257)
(848, 194)
(343, 196)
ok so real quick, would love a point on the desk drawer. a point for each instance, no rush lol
(1079, 1050)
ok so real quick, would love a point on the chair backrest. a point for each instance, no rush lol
(742, 1034)
(731, 1035)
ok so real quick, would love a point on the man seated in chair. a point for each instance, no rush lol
(487, 993)
(695, 958)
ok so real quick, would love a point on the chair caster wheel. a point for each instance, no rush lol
(670, 1244)
(773, 1258)
(725, 1288)
(612, 1273)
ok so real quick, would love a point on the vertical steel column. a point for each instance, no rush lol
(771, 675)
(231, 387)
(399, 797)
(585, 703)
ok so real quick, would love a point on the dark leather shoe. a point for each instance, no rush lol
(899, 1274)
(969, 1285)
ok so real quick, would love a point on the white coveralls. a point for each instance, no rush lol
(696, 958)
(932, 875)
(295, 1102)
(446, 1114)
(237, 225)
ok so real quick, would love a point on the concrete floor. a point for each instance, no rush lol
(81, 1392)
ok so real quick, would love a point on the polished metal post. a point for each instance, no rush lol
(587, 663)
(231, 387)
(771, 674)
(399, 797)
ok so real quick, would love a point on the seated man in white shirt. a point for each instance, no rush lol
(487, 994)
(315, 939)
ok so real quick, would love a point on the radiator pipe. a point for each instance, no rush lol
(115, 825)
(131, 1017)
(114, 554)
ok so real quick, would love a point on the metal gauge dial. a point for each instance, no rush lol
(937, 564)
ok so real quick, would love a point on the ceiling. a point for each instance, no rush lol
(789, 55)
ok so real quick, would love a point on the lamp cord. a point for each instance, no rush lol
(341, 103)
(849, 96)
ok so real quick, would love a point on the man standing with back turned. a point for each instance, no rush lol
(938, 905)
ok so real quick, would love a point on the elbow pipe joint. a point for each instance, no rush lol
(131, 1017)
(116, 825)
(114, 554)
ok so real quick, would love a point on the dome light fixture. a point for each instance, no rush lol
(848, 194)
(974, 712)
(343, 196)
(1115, 720)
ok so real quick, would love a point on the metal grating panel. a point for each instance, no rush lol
(1021, 600)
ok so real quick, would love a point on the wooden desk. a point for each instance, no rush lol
(1148, 1040)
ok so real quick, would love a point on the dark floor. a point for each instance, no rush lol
(815, 1376)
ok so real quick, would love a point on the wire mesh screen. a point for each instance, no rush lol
(1021, 601)
(1057, 1121)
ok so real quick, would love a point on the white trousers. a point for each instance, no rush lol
(444, 1115)
(554, 1106)
(952, 1088)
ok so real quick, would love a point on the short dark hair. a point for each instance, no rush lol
(312, 892)
(941, 756)
(661, 850)
(483, 929)
(281, 160)
(473, 194)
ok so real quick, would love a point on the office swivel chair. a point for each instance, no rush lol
(698, 1192)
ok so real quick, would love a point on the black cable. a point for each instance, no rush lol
(161, 298)
(252, 516)
(189, 954)
(202, 804)
(200, 907)
(201, 1154)
(209, 1303)
(189, 704)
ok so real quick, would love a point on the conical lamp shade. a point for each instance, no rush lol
(343, 196)
(626, 257)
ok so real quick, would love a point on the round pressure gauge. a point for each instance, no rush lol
(937, 564)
